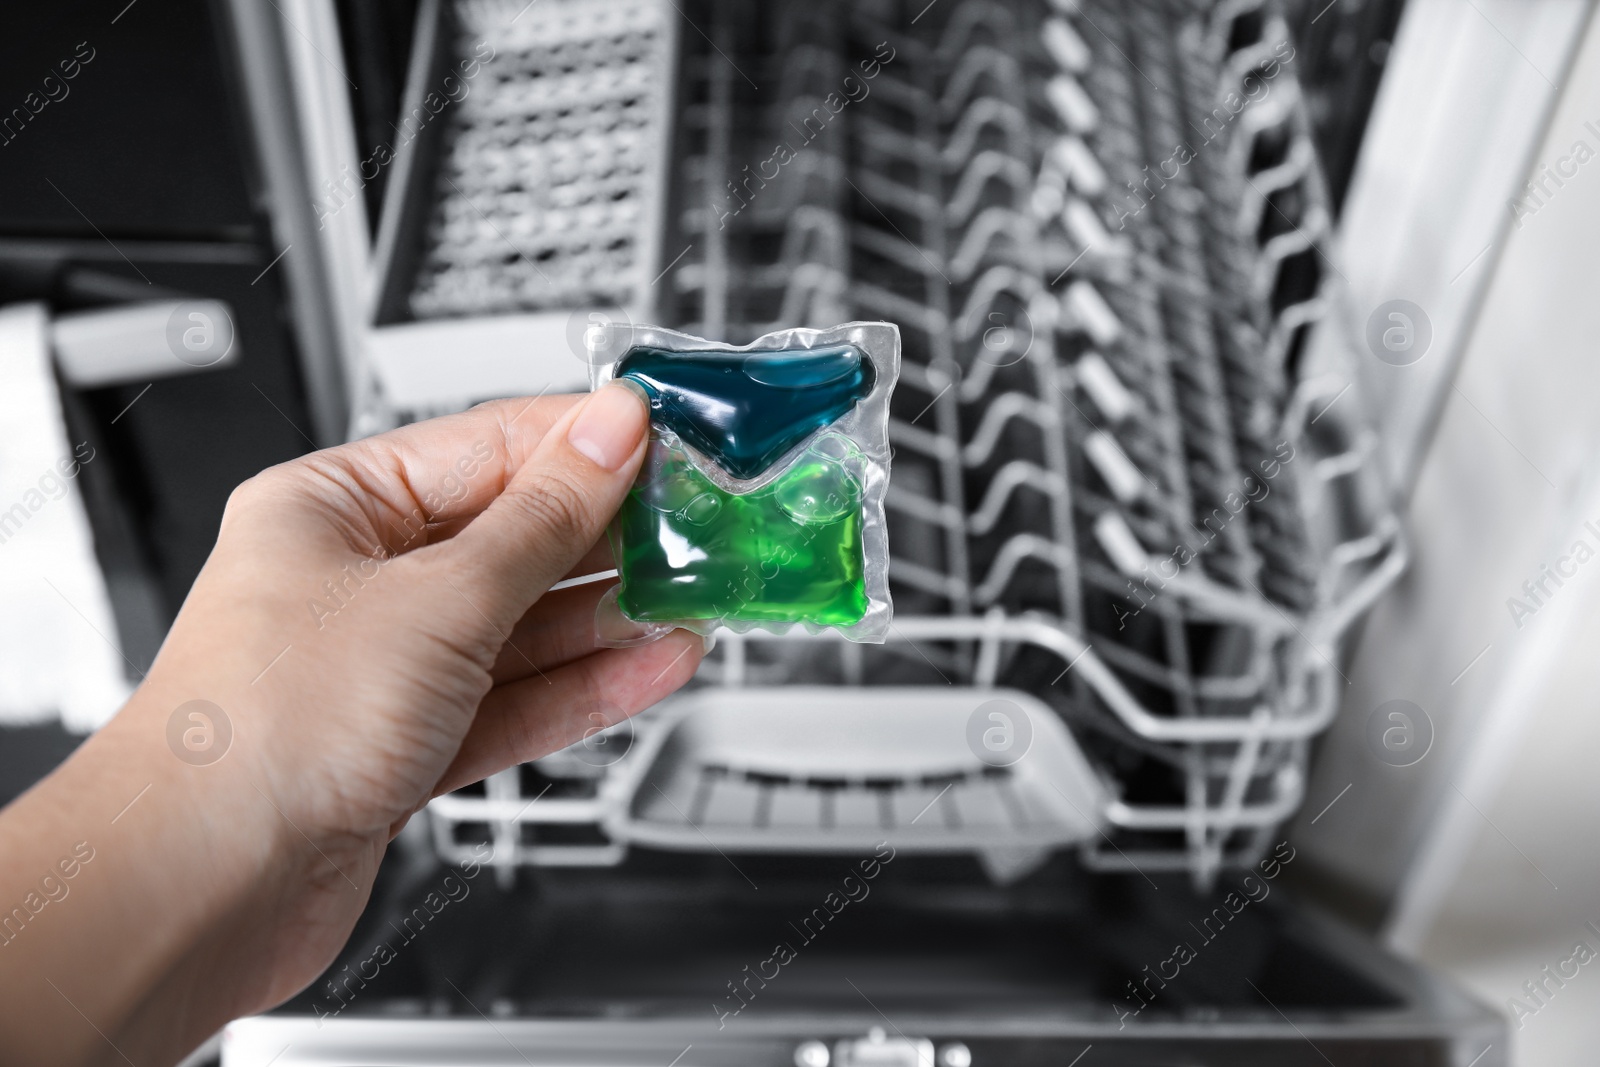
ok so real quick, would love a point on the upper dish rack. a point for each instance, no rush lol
(1117, 488)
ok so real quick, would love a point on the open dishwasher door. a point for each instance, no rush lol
(1132, 513)
(688, 963)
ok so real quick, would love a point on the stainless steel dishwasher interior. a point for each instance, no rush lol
(1127, 512)
(1116, 489)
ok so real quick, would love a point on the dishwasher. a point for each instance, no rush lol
(1132, 515)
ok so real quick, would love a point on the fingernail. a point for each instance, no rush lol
(608, 428)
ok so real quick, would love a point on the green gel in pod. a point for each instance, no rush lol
(788, 552)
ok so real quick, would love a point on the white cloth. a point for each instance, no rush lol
(58, 652)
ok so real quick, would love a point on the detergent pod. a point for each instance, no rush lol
(760, 501)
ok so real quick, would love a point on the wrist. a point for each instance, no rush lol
(173, 861)
(207, 831)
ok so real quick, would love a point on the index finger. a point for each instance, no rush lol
(442, 472)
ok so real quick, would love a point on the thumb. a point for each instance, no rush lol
(555, 506)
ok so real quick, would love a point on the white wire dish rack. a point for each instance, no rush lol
(545, 189)
(791, 769)
(1118, 494)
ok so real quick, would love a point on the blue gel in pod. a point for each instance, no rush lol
(746, 410)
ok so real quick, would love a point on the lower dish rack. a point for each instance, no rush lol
(1122, 502)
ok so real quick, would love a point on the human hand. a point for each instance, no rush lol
(375, 626)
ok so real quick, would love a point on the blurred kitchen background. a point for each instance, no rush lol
(232, 232)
